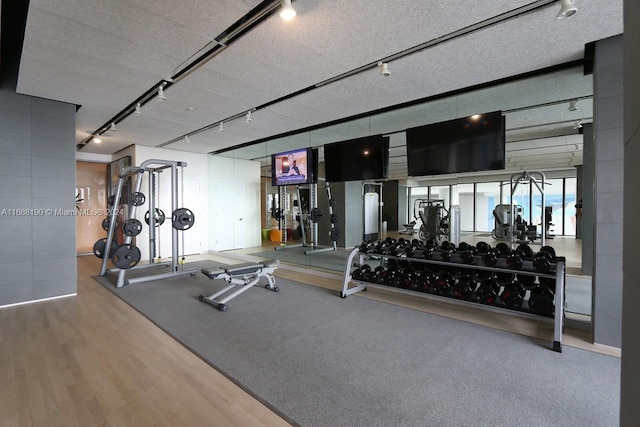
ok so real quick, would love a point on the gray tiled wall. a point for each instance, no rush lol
(608, 191)
(37, 171)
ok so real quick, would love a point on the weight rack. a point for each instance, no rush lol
(139, 172)
(559, 295)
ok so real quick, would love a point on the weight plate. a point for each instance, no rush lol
(137, 199)
(335, 234)
(182, 219)
(159, 217)
(100, 246)
(132, 227)
(126, 256)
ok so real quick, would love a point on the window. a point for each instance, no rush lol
(487, 197)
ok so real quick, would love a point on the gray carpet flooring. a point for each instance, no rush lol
(325, 361)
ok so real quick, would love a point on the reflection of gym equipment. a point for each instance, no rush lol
(372, 210)
(434, 217)
(509, 224)
(308, 216)
(241, 276)
(126, 256)
(409, 228)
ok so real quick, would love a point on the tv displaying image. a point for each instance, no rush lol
(293, 167)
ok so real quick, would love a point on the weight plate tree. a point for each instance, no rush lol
(127, 256)
(522, 281)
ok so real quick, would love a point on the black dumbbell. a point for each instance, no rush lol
(358, 273)
(516, 258)
(390, 241)
(464, 287)
(446, 253)
(462, 246)
(423, 281)
(487, 292)
(503, 249)
(365, 247)
(542, 260)
(427, 252)
(448, 245)
(504, 278)
(443, 284)
(404, 279)
(468, 254)
(431, 244)
(480, 275)
(513, 294)
(482, 247)
(376, 277)
(526, 280)
(490, 258)
(541, 300)
(389, 275)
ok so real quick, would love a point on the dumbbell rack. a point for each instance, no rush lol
(558, 275)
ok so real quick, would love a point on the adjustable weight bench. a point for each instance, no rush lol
(241, 276)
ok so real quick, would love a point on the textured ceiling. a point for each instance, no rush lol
(103, 55)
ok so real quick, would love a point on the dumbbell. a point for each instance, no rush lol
(447, 252)
(462, 246)
(376, 276)
(541, 299)
(517, 257)
(448, 245)
(464, 287)
(443, 284)
(543, 259)
(480, 275)
(367, 247)
(422, 281)
(482, 247)
(388, 276)
(526, 280)
(427, 252)
(503, 249)
(390, 241)
(504, 278)
(490, 258)
(468, 254)
(362, 273)
(404, 279)
(487, 292)
(513, 294)
(431, 244)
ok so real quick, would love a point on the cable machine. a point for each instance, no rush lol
(509, 224)
(312, 216)
(126, 256)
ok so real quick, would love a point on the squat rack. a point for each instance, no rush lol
(139, 172)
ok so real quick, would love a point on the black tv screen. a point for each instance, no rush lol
(468, 144)
(293, 167)
(357, 159)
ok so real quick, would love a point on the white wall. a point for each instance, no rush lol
(234, 203)
(194, 198)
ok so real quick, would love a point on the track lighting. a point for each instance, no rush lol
(186, 139)
(221, 128)
(248, 118)
(288, 12)
(384, 69)
(567, 9)
(112, 128)
(96, 140)
(138, 111)
(161, 96)
(572, 105)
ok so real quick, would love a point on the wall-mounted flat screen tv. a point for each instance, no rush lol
(294, 167)
(357, 159)
(468, 144)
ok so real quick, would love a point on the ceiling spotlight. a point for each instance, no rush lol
(384, 69)
(186, 139)
(567, 9)
(248, 117)
(578, 124)
(475, 117)
(138, 111)
(96, 140)
(112, 128)
(161, 96)
(572, 105)
(288, 12)
(221, 128)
